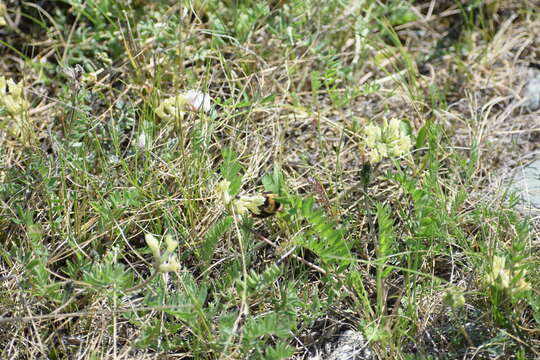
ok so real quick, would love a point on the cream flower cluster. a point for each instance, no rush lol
(168, 262)
(385, 141)
(13, 98)
(241, 205)
(503, 277)
(3, 13)
(175, 107)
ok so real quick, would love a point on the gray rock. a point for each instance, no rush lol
(351, 345)
(526, 183)
(531, 93)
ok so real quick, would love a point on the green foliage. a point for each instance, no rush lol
(99, 12)
(257, 282)
(278, 352)
(386, 238)
(36, 266)
(324, 237)
(238, 19)
(274, 181)
(189, 301)
(333, 78)
(281, 323)
(506, 279)
(315, 84)
(211, 239)
(185, 304)
(400, 12)
(293, 85)
(108, 273)
(230, 169)
(97, 41)
(265, 325)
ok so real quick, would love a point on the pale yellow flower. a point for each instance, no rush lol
(501, 276)
(454, 298)
(3, 85)
(12, 105)
(403, 145)
(91, 78)
(3, 13)
(383, 150)
(16, 90)
(498, 266)
(373, 135)
(175, 107)
(222, 190)
(171, 243)
(246, 204)
(522, 285)
(153, 244)
(171, 265)
(374, 156)
(386, 140)
(392, 128)
(13, 99)
(172, 108)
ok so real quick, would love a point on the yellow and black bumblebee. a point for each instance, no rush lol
(270, 207)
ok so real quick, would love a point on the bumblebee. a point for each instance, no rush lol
(270, 207)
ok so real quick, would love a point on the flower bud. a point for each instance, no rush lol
(171, 243)
(153, 244)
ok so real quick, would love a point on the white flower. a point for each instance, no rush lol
(197, 100)
(141, 140)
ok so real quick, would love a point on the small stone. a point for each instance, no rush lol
(532, 94)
